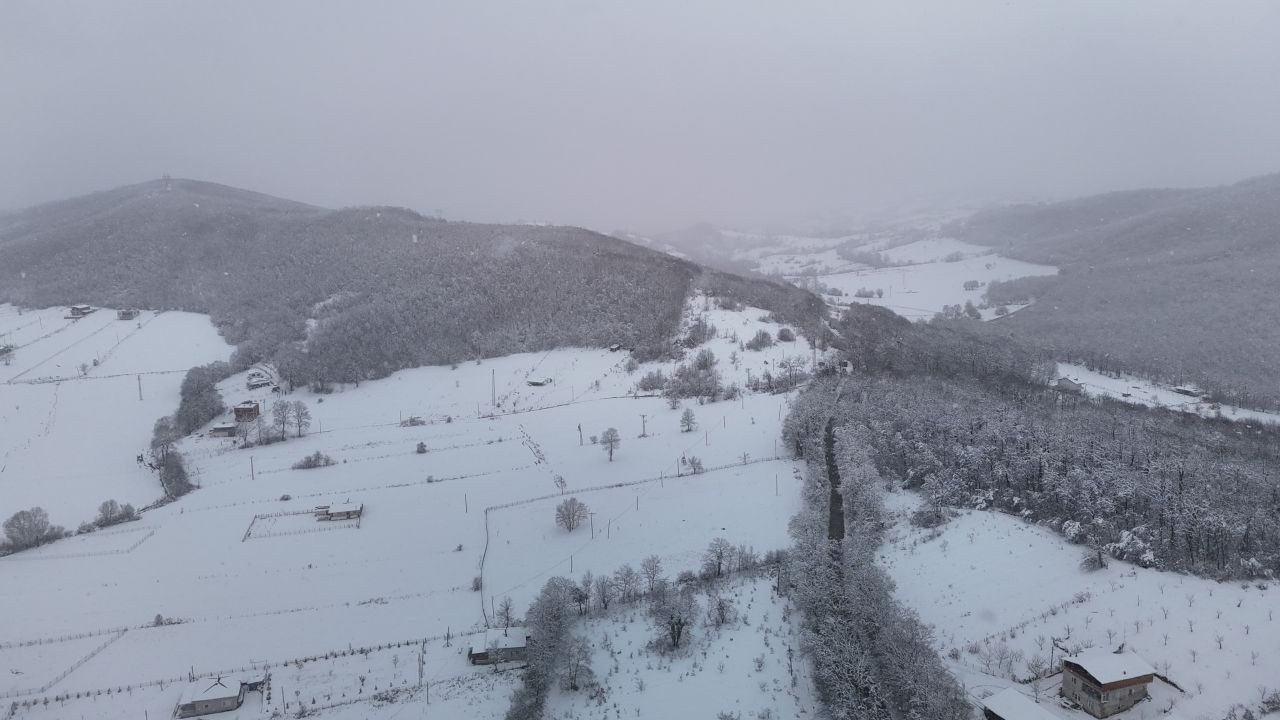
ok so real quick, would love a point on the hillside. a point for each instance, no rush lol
(372, 290)
(1178, 284)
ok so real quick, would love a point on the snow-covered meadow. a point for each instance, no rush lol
(1000, 593)
(1131, 389)
(749, 667)
(71, 419)
(239, 581)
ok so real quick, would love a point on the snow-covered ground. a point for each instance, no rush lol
(1000, 591)
(749, 667)
(935, 275)
(1144, 392)
(71, 421)
(250, 585)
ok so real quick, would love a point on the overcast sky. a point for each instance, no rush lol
(644, 114)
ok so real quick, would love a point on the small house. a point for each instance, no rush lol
(223, 430)
(1104, 683)
(343, 511)
(247, 411)
(126, 314)
(1189, 392)
(1009, 704)
(497, 645)
(1067, 385)
(615, 347)
(79, 311)
(539, 382)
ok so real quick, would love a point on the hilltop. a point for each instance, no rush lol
(358, 293)
(1178, 284)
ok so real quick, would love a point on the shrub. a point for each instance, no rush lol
(652, 381)
(786, 334)
(760, 341)
(314, 460)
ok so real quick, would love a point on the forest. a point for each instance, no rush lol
(1176, 285)
(356, 294)
(1153, 487)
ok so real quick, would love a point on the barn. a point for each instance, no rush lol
(126, 314)
(498, 645)
(1104, 683)
(223, 430)
(1067, 385)
(1009, 704)
(78, 311)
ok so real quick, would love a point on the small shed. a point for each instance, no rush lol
(615, 347)
(126, 314)
(498, 645)
(1105, 683)
(223, 430)
(1009, 704)
(1067, 385)
(539, 382)
(343, 511)
(1189, 392)
(79, 311)
(247, 411)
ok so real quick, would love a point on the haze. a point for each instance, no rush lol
(638, 114)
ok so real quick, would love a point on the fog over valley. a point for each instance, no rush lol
(569, 360)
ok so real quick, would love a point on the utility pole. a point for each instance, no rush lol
(579, 433)
(609, 530)
(466, 506)
(644, 429)
(493, 386)
(139, 387)
(592, 518)
(252, 476)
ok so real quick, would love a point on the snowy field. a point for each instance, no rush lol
(750, 667)
(1144, 392)
(999, 591)
(71, 421)
(934, 277)
(247, 578)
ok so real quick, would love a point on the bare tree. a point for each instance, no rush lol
(606, 591)
(28, 528)
(627, 582)
(281, 411)
(674, 613)
(610, 440)
(651, 570)
(571, 513)
(301, 417)
(505, 614)
(717, 556)
(687, 422)
(578, 663)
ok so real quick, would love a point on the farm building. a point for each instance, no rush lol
(497, 645)
(208, 696)
(344, 511)
(79, 311)
(1189, 392)
(223, 430)
(1009, 704)
(1105, 683)
(1067, 385)
(539, 382)
(253, 383)
(246, 411)
(126, 314)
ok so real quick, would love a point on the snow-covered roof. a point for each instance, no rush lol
(248, 404)
(210, 689)
(1107, 667)
(513, 637)
(347, 507)
(1013, 705)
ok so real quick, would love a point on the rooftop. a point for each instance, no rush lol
(1107, 667)
(513, 637)
(1013, 705)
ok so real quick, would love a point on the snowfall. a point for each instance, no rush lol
(372, 618)
(243, 576)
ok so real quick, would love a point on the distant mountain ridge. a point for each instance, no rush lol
(371, 290)
(1180, 284)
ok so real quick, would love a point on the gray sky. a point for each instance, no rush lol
(645, 114)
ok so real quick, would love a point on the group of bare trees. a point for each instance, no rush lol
(29, 528)
(286, 414)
